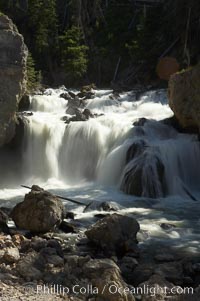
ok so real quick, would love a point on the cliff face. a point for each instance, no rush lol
(184, 97)
(13, 57)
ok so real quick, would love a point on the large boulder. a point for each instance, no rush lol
(105, 276)
(13, 57)
(115, 234)
(144, 174)
(184, 97)
(39, 212)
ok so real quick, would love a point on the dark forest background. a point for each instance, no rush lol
(75, 42)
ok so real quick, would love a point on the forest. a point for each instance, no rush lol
(105, 41)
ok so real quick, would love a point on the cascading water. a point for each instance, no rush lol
(93, 159)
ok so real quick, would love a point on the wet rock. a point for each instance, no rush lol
(140, 122)
(65, 96)
(113, 232)
(144, 176)
(13, 57)
(167, 227)
(86, 95)
(11, 255)
(88, 114)
(39, 212)
(136, 149)
(68, 227)
(106, 206)
(72, 94)
(73, 109)
(69, 215)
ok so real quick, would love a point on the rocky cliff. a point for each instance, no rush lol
(184, 97)
(13, 57)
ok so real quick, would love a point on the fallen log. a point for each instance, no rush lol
(66, 199)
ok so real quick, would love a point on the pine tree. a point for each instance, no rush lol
(73, 52)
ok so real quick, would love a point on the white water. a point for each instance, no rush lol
(86, 160)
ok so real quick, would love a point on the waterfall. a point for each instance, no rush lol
(146, 158)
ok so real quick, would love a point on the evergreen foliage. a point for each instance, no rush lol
(73, 52)
(85, 39)
(33, 77)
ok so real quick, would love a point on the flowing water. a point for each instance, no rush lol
(87, 161)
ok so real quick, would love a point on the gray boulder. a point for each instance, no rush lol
(13, 57)
(39, 212)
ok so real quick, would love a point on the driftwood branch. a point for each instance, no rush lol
(64, 198)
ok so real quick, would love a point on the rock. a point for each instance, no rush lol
(158, 289)
(140, 122)
(6, 210)
(136, 149)
(73, 110)
(184, 97)
(86, 95)
(11, 255)
(172, 271)
(68, 227)
(141, 273)
(88, 114)
(112, 233)
(13, 57)
(106, 206)
(144, 175)
(72, 94)
(3, 222)
(65, 96)
(88, 88)
(27, 267)
(39, 212)
(167, 226)
(164, 257)
(24, 103)
(69, 215)
(127, 265)
(3, 218)
(104, 275)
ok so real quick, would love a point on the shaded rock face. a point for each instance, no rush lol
(144, 173)
(184, 97)
(13, 56)
(39, 212)
(105, 275)
(115, 234)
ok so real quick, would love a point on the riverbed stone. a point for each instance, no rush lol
(11, 255)
(112, 233)
(39, 212)
(105, 275)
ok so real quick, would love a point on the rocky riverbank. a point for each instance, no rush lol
(105, 262)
